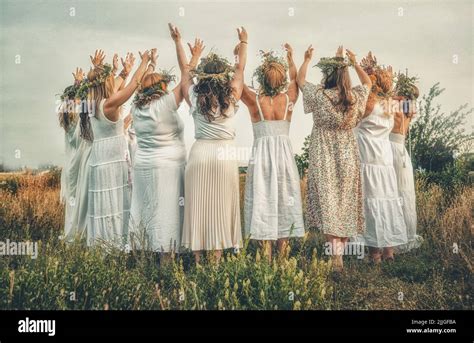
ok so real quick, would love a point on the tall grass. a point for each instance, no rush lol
(69, 276)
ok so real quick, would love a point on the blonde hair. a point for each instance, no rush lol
(95, 94)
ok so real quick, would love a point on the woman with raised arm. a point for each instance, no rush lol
(109, 193)
(407, 93)
(272, 206)
(385, 225)
(335, 202)
(158, 179)
(211, 210)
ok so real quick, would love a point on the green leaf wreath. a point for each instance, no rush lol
(406, 86)
(145, 95)
(259, 74)
(329, 64)
(225, 76)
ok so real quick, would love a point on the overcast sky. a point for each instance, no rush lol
(50, 43)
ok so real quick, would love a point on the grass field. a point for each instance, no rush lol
(438, 275)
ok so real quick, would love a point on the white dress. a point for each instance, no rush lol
(385, 224)
(69, 176)
(272, 205)
(158, 176)
(211, 201)
(406, 189)
(109, 189)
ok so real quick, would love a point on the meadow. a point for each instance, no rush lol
(438, 275)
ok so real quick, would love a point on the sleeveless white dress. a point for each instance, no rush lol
(406, 190)
(69, 175)
(157, 208)
(385, 223)
(272, 205)
(211, 201)
(109, 188)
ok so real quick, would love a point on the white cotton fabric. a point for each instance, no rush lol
(74, 183)
(406, 189)
(272, 205)
(157, 209)
(385, 223)
(69, 176)
(109, 188)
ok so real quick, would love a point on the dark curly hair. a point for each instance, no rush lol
(213, 92)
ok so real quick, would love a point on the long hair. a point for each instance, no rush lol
(67, 115)
(213, 94)
(95, 94)
(339, 78)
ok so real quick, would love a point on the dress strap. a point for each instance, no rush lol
(259, 109)
(287, 104)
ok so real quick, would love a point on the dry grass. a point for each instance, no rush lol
(435, 276)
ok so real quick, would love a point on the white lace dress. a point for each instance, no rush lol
(385, 224)
(272, 206)
(109, 188)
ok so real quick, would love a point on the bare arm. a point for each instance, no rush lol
(301, 77)
(292, 87)
(112, 104)
(181, 91)
(248, 96)
(241, 53)
(363, 77)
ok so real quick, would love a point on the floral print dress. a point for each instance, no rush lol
(334, 197)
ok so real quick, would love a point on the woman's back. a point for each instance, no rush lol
(222, 127)
(326, 113)
(159, 131)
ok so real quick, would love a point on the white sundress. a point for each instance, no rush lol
(385, 224)
(272, 203)
(109, 188)
(406, 189)
(69, 176)
(157, 209)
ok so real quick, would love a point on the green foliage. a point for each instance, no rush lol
(69, 276)
(302, 160)
(438, 137)
(259, 74)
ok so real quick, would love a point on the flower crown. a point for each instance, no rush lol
(105, 71)
(378, 75)
(224, 76)
(406, 86)
(69, 92)
(145, 95)
(259, 74)
(329, 65)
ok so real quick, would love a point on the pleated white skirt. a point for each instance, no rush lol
(211, 210)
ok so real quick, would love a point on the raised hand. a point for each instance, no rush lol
(128, 63)
(98, 58)
(351, 56)
(289, 51)
(145, 56)
(242, 33)
(308, 54)
(340, 51)
(174, 32)
(154, 55)
(115, 64)
(78, 75)
(197, 48)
